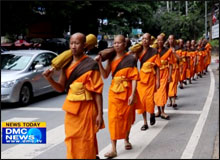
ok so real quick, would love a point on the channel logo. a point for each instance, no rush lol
(23, 132)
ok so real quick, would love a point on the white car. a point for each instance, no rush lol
(21, 75)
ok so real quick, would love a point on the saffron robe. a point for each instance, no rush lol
(81, 112)
(120, 114)
(166, 59)
(146, 87)
(175, 78)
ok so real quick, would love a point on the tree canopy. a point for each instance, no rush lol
(122, 16)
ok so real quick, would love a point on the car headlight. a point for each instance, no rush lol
(8, 84)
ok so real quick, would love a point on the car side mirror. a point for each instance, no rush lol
(38, 66)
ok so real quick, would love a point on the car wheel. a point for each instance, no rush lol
(25, 95)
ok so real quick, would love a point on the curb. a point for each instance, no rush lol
(216, 147)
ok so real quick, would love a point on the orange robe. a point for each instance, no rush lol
(199, 65)
(208, 47)
(183, 65)
(161, 95)
(205, 57)
(192, 55)
(81, 112)
(175, 78)
(146, 87)
(188, 53)
(120, 114)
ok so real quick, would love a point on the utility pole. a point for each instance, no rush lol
(186, 8)
(168, 8)
(205, 19)
(171, 6)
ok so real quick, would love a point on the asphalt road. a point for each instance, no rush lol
(190, 133)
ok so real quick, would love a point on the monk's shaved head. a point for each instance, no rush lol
(146, 35)
(119, 43)
(79, 36)
(160, 37)
(146, 40)
(77, 43)
(120, 38)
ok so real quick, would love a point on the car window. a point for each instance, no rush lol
(14, 62)
(44, 59)
(40, 59)
(49, 57)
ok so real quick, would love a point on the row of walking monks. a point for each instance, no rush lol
(163, 65)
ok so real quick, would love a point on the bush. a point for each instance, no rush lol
(215, 43)
(215, 46)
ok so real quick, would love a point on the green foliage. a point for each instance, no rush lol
(180, 25)
(150, 16)
(214, 43)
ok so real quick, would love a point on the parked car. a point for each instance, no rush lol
(3, 49)
(21, 75)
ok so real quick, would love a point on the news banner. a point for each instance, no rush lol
(23, 132)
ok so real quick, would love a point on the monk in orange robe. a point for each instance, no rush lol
(188, 46)
(207, 54)
(183, 63)
(193, 58)
(149, 79)
(205, 58)
(208, 48)
(172, 92)
(122, 93)
(180, 50)
(161, 95)
(83, 104)
(200, 59)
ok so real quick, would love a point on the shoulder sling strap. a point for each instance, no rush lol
(127, 61)
(83, 67)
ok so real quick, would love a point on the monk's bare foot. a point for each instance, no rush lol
(164, 116)
(128, 145)
(157, 114)
(111, 154)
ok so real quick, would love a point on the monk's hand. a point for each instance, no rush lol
(48, 73)
(97, 58)
(131, 100)
(99, 121)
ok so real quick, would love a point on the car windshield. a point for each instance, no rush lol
(14, 62)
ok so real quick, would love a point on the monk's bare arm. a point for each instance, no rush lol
(157, 77)
(104, 72)
(131, 98)
(58, 86)
(99, 102)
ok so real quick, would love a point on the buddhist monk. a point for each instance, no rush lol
(188, 46)
(149, 79)
(208, 48)
(121, 93)
(82, 81)
(200, 59)
(172, 92)
(161, 95)
(180, 50)
(193, 58)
